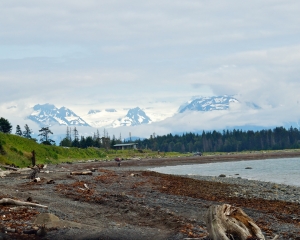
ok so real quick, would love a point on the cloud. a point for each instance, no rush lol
(103, 54)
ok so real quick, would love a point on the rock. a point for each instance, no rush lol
(222, 175)
(42, 231)
(3, 236)
(248, 168)
(45, 218)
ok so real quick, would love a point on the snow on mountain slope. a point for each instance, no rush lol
(135, 116)
(48, 115)
(208, 103)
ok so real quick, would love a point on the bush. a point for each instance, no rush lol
(13, 149)
(2, 151)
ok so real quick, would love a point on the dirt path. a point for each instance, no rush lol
(119, 203)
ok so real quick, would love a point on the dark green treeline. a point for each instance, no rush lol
(227, 141)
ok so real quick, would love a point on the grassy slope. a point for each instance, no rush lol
(17, 150)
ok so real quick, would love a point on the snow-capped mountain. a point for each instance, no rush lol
(208, 103)
(48, 115)
(135, 116)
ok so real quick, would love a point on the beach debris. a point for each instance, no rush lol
(35, 170)
(39, 231)
(20, 203)
(118, 160)
(51, 181)
(134, 174)
(9, 167)
(225, 222)
(82, 173)
(37, 179)
(4, 173)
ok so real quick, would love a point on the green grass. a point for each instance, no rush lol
(18, 151)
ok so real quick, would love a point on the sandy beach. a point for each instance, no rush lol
(129, 202)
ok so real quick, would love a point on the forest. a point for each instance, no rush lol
(208, 141)
(226, 141)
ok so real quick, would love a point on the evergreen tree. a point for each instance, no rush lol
(68, 135)
(65, 142)
(89, 142)
(27, 133)
(76, 134)
(75, 142)
(44, 134)
(82, 142)
(18, 131)
(5, 125)
(113, 142)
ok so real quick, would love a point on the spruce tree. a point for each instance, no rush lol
(27, 133)
(44, 134)
(19, 131)
(5, 125)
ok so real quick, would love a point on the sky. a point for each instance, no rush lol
(96, 54)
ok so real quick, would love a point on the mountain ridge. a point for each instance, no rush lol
(48, 114)
(208, 103)
(134, 117)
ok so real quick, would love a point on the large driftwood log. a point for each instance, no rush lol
(20, 203)
(9, 167)
(226, 222)
(81, 173)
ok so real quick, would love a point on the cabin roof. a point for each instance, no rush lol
(124, 144)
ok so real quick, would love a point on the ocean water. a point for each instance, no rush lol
(283, 171)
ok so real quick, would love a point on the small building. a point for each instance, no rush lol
(123, 146)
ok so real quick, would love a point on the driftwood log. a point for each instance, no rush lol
(226, 222)
(9, 167)
(20, 203)
(82, 173)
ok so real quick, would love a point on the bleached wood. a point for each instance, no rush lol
(82, 173)
(225, 222)
(20, 203)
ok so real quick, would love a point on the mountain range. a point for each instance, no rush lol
(48, 114)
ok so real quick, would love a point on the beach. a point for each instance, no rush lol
(129, 202)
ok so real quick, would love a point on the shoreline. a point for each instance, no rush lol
(171, 161)
(130, 203)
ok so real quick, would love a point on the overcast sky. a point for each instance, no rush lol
(96, 54)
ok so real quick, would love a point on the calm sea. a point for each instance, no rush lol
(284, 170)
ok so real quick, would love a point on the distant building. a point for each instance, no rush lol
(123, 146)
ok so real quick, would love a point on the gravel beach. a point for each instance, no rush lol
(129, 202)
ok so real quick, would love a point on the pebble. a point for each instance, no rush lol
(257, 189)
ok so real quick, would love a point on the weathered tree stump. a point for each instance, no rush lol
(226, 222)
(33, 158)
